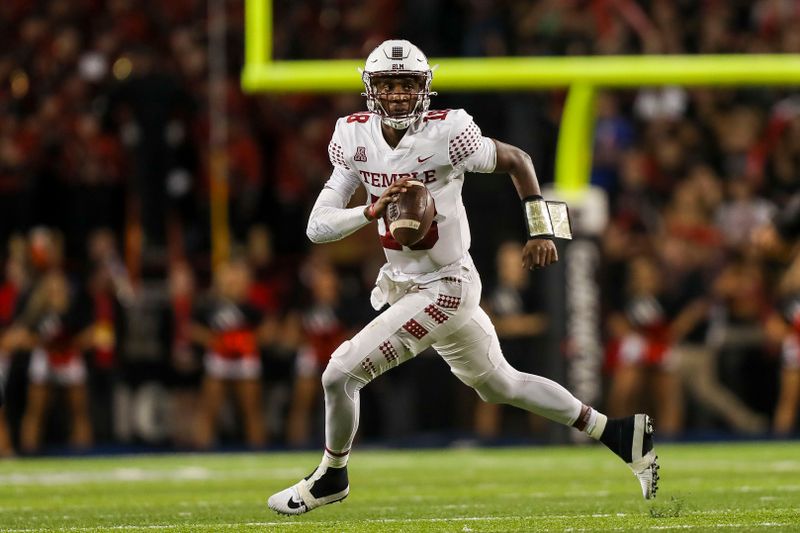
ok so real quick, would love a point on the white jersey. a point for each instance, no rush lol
(437, 150)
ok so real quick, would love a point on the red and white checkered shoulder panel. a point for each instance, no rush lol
(448, 302)
(466, 143)
(336, 155)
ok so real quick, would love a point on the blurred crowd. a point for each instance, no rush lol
(116, 330)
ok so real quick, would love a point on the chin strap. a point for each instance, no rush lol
(399, 123)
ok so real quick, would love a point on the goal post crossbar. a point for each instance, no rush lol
(581, 75)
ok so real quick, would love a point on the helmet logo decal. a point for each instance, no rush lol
(361, 154)
(398, 66)
(397, 52)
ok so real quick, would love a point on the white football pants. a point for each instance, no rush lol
(444, 314)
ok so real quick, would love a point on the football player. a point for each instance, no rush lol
(432, 287)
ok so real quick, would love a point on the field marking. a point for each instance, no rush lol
(401, 520)
(731, 465)
(723, 525)
(132, 474)
(288, 523)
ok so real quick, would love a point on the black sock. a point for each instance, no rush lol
(618, 436)
(332, 481)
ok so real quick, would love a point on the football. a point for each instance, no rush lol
(411, 215)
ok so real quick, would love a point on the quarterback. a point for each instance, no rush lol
(431, 287)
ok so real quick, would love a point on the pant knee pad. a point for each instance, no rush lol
(499, 387)
(496, 387)
(335, 380)
(333, 377)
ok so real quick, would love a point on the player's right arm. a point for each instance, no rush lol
(331, 219)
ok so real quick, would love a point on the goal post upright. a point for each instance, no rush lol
(573, 293)
(581, 75)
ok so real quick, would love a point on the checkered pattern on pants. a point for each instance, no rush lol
(412, 324)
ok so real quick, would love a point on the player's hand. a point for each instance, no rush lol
(539, 253)
(377, 209)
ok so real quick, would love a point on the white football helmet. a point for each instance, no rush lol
(397, 58)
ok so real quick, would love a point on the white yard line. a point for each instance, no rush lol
(724, 526)
(284, 523)
(127, 474)
(295, 523)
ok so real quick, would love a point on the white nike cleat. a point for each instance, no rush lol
(643, 456)
(323, 486)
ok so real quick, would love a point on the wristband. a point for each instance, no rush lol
(371, 211)
(537, 218)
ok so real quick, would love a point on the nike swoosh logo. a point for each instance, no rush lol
(422, 160)
(293, 504)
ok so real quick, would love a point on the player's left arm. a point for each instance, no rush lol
(469, 151)
(518, 164)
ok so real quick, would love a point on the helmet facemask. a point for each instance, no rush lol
(375, 105)
(397, 58)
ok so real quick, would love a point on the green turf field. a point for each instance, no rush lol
(742, 487)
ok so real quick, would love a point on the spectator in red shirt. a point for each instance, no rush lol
(643, 356)
(322, 324)
(56, 328)
(228, 327)
(14, 285)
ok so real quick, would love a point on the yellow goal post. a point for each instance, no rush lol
(581, 75)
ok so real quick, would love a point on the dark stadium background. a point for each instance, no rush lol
(104, 127)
